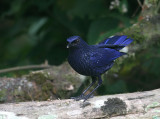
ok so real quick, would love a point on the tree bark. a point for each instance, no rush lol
(138, 105)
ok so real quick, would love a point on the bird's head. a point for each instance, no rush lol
(75, 42)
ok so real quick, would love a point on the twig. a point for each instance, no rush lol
(24, 68)
(140, 4)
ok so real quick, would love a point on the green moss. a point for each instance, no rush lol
(128, 65)
(135, 32)
(2, 95)
(69, 78)
(21, 95)
(39, 77)
(62, 93)
(114, 106)
(52, 83)
(47, 87)
(42, 79)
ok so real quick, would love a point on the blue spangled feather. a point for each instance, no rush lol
(116, 40)
(122, 41)
(104, 56)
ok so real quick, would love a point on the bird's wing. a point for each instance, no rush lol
(104, 56)
(115, 42)
(112, 46)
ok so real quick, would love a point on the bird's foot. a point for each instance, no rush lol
(87, 97)
(78, 97)
(82, 97)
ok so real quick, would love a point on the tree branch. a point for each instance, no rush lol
(136, 105)
(25, 67)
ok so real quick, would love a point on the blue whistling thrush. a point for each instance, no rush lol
(94, 60)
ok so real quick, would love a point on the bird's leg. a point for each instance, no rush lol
(94, 79)
(90, 94)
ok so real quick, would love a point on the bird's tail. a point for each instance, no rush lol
(118, 40)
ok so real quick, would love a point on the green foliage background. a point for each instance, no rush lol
(34, 31)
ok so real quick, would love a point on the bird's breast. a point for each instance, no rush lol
(80, 62)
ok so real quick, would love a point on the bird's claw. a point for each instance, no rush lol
(78, 97)
(87, 97)
(82, 97)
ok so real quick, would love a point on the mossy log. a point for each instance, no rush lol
(138, 105)
(48, 84)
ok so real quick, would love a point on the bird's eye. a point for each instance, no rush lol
(75, 41)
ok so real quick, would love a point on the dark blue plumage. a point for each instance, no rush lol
(94, 60)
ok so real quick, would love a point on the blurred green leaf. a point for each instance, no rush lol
(37, 25)
(118, 87)
(99, 27)
(90, 8)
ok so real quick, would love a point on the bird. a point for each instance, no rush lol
(94, 60)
